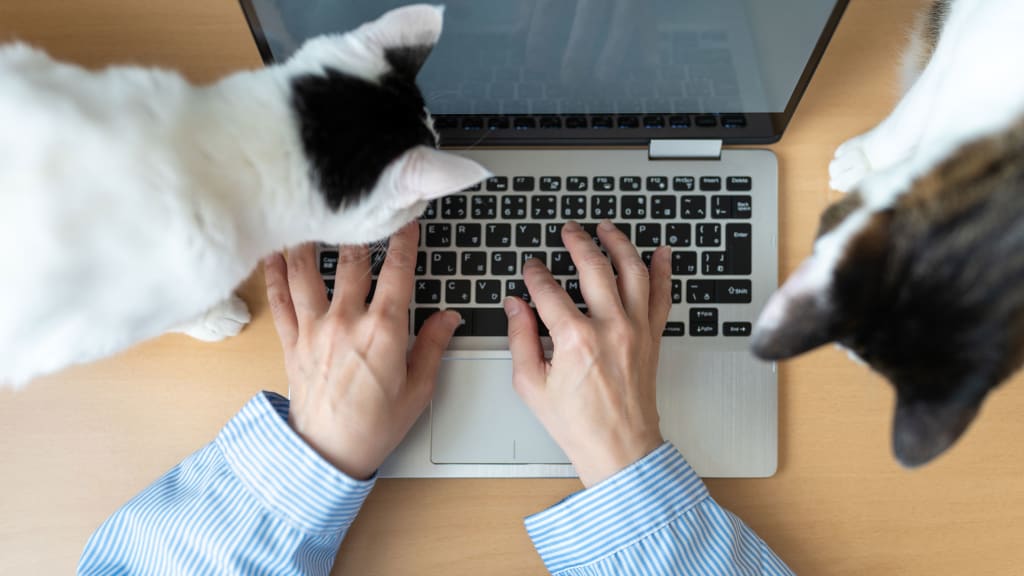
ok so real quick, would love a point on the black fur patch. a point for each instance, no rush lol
(352, 129)
(407, 60)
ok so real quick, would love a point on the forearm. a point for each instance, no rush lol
(255, 500)
(654, 517)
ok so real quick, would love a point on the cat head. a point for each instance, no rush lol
(927, 288)
(366, 133)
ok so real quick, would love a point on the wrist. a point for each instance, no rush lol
(609, 459)
(344, 461)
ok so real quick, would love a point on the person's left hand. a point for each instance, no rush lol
(353, 395)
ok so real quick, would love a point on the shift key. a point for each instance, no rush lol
(738, 247)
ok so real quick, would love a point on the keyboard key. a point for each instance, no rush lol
(736, 329)
(442, 263)
(694, 208)
(733, 291)
(488, 291)
(467, 235)
(497, 184)
(572, 287)
(523, 183)
(657, 183)
(601, 122)
(604, 183)
(663, 207)
(420, 316)
(328, 262)
(553, 235)
(428, 291)
(576, 183)
(453, 207)
(562, 264)
(439, 235)
(457, 291)
(489, 322)
(329, 285)
(634, 207)
(721, 206)
(677, 291)
(528, 235)
(683, 183)
(647, 256)
(484, 207)
(517, 288)
(574, 207)
(648, 235)
(703, 322)
(741, 207)
(421, 263)
(715, 263)
(677, 235)
(528, 254)
(499, 235)
(629, 183)
(513, 207)
(678, 121)
(544, 207)
(503, 263)
(430, 212)
(466, 326)
(654, 122)
(701, 291)
(674, 329)
(551, 184)
(738, 183)
(738, 246)
(709, 235)
(684, 263)
(602, 207)
(377, 262)
(629, 122)
(474, 263)
(711, 183)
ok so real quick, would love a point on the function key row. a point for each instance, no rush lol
(575, 206)
(607, 183)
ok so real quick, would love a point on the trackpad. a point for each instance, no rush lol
(477, 418)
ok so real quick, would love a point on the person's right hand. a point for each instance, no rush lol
(596, 397)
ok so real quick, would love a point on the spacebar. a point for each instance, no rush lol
(489, 322)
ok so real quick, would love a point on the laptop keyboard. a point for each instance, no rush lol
(473, 245)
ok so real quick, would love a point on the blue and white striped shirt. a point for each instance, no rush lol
(259, 500)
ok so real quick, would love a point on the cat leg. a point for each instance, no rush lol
(224, 320)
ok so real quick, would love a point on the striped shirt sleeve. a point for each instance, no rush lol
(655, 517)
(256, 500)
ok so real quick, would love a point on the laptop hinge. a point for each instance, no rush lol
(685, 150)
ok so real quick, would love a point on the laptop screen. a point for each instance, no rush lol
(594, 71)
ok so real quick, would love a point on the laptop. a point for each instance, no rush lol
(589, 110)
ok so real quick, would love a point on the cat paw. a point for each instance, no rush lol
(850, 165)
(224, 320)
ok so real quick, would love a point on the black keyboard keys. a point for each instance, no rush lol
(439, 235)
(544, 207)
(634, 207)
(474, 263)
(574, 207)
(488, 291)
(663, 207)
(648, 235)
(694, 208)
(503, 263)
(677, 235)
(703, 322)
(513, 207)
(499, 235)
(484, 207)
(457, 291)
(467, 235)
(602, 207)
(528, 235)
(442, 263)
(428, 291)
(550, 183)
(738, 246)
(453, 207)
(562, 264)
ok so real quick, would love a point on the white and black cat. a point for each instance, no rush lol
(919, 270)
(132, 203)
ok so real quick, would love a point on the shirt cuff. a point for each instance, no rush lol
(284, 473)
(597, 522)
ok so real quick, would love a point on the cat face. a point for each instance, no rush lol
(365, 131)
(926, 289)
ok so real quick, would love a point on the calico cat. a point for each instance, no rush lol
(132, 203)
(919, 270)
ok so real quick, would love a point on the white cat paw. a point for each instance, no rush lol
(850, 165)
(224, 320)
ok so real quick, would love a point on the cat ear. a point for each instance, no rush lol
(424, 173)
(923, 430)
(407, 35)
(799, 316)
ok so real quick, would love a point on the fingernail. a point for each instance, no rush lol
(269, 260)
(511, 307)
(531, 263)
(607, 225)
(453, 319)
(571, 226)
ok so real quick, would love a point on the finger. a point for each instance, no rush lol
(528, 365)
(555, 307)
(661, 291)
(431, 342)
(395, 283)
(279, 297)
(307, 288)
(597, 282)
(634, 278)
(351, 280)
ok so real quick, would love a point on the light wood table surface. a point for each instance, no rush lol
(76, 446)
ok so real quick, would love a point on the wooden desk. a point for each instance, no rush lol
(78, 445)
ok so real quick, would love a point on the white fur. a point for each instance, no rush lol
(132, 202)
(969, 90)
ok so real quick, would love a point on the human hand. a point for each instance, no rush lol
(597, 395)
(353, 395)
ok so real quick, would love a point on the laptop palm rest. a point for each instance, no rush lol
(477, 418)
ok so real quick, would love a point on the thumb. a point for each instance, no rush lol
(524, 343)
(425, 358)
